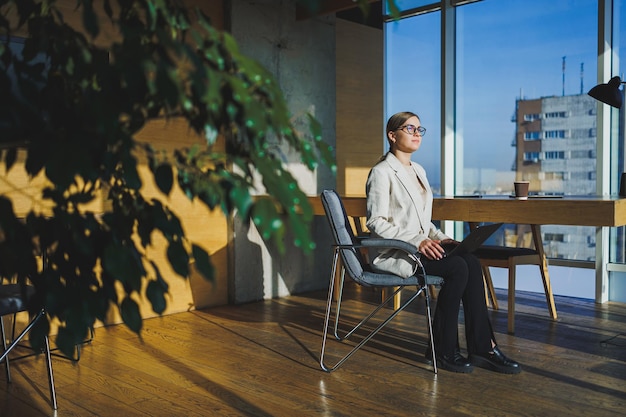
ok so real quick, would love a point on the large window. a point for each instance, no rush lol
(521, 109)
(519, 62)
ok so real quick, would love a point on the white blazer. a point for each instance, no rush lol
(396, 209)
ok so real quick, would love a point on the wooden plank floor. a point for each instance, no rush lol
(261, 359)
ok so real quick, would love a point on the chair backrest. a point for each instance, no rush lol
(14, 297)
(342, 234)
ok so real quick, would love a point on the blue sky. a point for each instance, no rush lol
(506, 48)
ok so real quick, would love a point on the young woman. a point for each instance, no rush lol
(399, 206)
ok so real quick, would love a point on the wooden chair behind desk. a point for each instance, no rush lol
(511, 257)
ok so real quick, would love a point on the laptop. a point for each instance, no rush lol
(471, 241)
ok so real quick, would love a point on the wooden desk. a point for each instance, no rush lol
(598, 211)
(602, 211)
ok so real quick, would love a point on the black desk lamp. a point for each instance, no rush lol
(609, 93)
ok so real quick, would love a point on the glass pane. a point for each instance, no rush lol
(617, 288)
(413, 82)
(523, 72)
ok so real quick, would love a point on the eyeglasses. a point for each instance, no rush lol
(412, 130)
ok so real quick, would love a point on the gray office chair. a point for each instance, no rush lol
(348, 247)
(14, 299)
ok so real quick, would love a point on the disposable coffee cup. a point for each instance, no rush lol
(521, 189)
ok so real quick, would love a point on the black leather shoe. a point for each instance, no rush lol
(495, 361)
(454, 363)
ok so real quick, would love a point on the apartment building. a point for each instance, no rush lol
(555, 143)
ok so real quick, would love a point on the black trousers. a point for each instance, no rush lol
(463, 281)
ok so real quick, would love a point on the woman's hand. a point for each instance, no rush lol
(432, 249)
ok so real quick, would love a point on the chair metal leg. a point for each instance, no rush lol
(430, 330)
(53, 394)
(372, 333)
(329, 302)
(4, 346)
(15, 342)
(336, 286)
(339, 292)
(21, 336)
(365, 339)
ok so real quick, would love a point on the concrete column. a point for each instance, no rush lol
(301, 55)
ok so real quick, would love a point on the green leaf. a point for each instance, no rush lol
(62, 170)
(97, 304)
(130, 314)
(203, 263)
(7, 215)
(38, 333)
(240, 195)
(393, 9)
(178, 258)
(90, 20)
(66, 342)
(166, 221)
(10, 158)
(120, 262)
(268, 222)
(131, 176)
(155, 292)
(164, 177)
(152, 12)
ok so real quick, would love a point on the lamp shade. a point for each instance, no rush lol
(608, 93)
